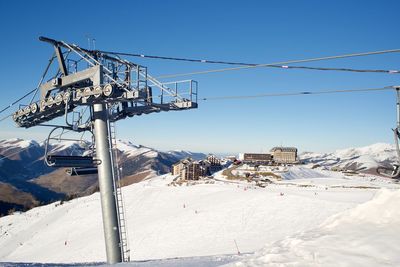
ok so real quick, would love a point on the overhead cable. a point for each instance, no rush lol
(260, 96)
(33, 90)
(18, 100)
(283, 64)
(247, 65)
(299, 93)
(266, 65)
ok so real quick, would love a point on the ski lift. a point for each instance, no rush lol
(394, 171)
(77, 163)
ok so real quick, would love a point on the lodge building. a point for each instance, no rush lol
(284, 154)
(189, 169)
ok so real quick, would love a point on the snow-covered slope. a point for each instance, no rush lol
(363, 158)
(367, 235)
(302, 173)
(166, 221)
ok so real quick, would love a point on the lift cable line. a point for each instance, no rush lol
(213, 98)
(255, 64)
(33, 90)
(283, 64)
(18, 100)
(244, 65)
(299, 93)
(386, 88)
(5, 117)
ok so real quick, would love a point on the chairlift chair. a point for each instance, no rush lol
(394, 171)
(79, 165)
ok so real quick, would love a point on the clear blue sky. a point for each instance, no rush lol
(248, 31)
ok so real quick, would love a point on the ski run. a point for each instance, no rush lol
(310, 217)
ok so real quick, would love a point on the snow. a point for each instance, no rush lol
(298, 172)
(17, 142)
(311, 217)
(367, 235)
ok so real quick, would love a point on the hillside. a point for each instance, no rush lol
(207, 219)
(8, 197)
(366, 235)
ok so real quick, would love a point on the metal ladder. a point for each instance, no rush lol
(124, 244)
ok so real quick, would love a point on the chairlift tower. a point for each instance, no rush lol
(112, 89)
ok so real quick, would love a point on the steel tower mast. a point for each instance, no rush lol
(112, 89)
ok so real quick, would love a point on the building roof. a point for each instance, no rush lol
(263, 154)
(284, 149)
(183, 161)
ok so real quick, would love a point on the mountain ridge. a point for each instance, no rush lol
(364, 159)
(23, 168)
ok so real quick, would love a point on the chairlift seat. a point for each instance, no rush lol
(393, 172)
(71, 161)
(81, 171)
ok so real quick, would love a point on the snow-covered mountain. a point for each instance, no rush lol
(23, 170)
(132, 150)
(365, 159)
(186, 154)
(20, 161)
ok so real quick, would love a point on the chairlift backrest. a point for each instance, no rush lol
(70, 161)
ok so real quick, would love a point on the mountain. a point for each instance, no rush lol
(22, 167)
(186, 154)
(365, 159)
(20, 161)
(139, 162)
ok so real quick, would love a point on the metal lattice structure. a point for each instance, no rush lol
(107, 89)
(86, 77)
